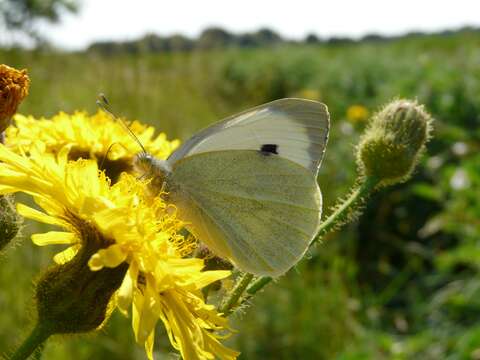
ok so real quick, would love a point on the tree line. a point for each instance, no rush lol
(218, 38)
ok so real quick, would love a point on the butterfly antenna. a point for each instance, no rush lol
(105, 156)
(103, 103)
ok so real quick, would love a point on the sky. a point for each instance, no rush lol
(130, 19)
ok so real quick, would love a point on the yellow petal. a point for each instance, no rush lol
(187, 266)
(184, 327)
(208, 277)
(221, 351)
(5, 189)
(110, 218)
(54, 237)
(149, 345)
(66, 255)
(33, 214)
(147, 314)
(110, 257)
(136, 309)
(96, 262)
(125, 293)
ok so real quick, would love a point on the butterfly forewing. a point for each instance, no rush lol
(295, 129)
(256, 208)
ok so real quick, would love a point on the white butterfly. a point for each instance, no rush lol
(247, 185)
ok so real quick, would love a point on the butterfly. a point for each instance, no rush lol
(247, 185)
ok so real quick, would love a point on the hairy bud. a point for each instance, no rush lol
(10, 221)
(73, 299)
(393, 142)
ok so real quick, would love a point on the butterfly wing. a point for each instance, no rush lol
(259, 210)
(296, 129)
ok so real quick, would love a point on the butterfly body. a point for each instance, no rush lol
(247, 185)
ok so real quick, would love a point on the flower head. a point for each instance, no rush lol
(357, 114)
(96, 137)
(123, 229)
(14, 86)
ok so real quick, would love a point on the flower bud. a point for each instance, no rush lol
(73, 299)
(10, 221)
(14, 86)
(391, 145)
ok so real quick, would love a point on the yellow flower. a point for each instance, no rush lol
(357, 114)
(134, 229)
(89, 137)
(13, 89)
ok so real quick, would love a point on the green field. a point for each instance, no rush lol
(402, 282)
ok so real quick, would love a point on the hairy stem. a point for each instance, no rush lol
(33, 343)
(343, 212)
(231, 301)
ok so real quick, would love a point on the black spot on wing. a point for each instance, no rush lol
(268, 149)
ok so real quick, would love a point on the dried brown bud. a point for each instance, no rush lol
(14, 86)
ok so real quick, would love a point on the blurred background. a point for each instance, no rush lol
(403, 282)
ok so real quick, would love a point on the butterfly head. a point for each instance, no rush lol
(149, 166)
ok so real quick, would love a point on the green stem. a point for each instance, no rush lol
(343, 212)
(258, 284)
(336, 219)
(34, 342)
(232, 300)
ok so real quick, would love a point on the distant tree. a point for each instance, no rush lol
(374, 38)
(262, 37)
(106, 47)
(152, 43)
(215, 37)
(22, 15)
(340, 40)
(312, 39)
(180, 43)
(246, 40)
(155, 44)
(266, 36)
(415, 34)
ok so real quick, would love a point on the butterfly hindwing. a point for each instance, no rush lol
(255, 208)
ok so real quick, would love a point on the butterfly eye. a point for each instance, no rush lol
(148, 160)
(144, 157)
